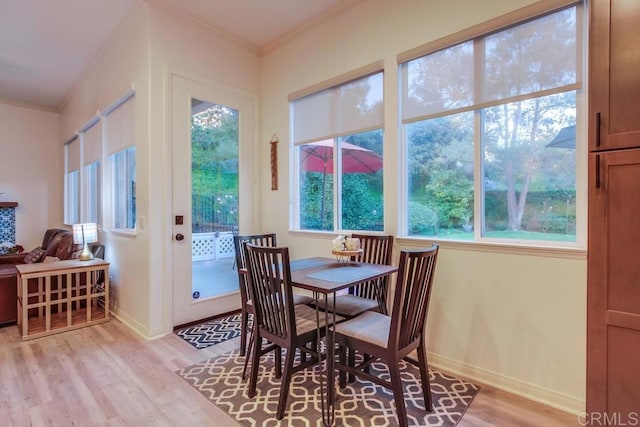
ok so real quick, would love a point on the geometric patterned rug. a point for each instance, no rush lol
(212, 332)
(360, 404)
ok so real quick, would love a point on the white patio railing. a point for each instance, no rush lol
(212, 246)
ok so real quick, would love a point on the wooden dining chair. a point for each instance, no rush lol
(370, 295)
(277, 320)
(246, 309)
(391, 338)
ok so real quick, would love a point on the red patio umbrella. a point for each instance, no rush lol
(318, 157)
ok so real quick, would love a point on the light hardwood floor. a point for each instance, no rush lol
(108, 376)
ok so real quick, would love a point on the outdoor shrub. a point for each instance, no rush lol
(422, 219)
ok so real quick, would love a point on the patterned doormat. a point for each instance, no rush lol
(362, 403)
(211, 332)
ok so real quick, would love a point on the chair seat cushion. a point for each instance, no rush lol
(299, 299)
(306, 319)
(350, 305)
(370, 327)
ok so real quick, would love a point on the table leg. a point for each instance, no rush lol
(326, 405)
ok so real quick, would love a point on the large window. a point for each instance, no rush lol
(92, 192)
(123, 165)
(337, 134)
(88, 185)
(72, 181)
(489, 130)
(91, 139)
(82, 175)
(121, 160)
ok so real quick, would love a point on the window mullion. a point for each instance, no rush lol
(478, 175)
(479, 75)
(337, 184)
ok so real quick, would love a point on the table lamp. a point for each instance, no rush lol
(84, 234)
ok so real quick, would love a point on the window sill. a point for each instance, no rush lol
(493, 247)
(333, 234)
(490, 247)
(126, 232)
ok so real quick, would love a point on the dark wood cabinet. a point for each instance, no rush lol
(614, 74)
(613, 318)
(613, 297)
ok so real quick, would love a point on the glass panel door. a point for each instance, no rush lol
(212, 176)
(214, 195)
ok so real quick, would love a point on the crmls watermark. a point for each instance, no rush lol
(608, 419)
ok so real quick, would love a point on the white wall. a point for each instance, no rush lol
(151, 44)
(181, 46)
(516, 320)
(31, 170)
(122, 64)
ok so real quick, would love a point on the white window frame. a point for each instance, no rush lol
(94, 147)
(334, 129)
(72, 192)
(123, 181)
(581, 150)
(90, 188)
(119, 139)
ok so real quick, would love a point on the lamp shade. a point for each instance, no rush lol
(85, 233)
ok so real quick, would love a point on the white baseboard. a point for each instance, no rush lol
(561, 401)
(134, 325)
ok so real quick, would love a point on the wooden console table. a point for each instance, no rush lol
(61, 296)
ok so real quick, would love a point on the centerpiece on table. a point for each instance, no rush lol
(345, 247)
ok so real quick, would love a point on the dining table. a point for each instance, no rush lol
(324, 278)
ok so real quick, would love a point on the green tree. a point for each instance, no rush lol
(440, 160)
(214, 156)
(362, 193)
(526, 59)
(214, 145)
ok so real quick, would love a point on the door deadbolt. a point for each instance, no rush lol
(179, 237)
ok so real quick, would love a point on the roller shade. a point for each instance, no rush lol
(352, 107)
(475, 74)
(73, 155)
(92, 144)
(119, 125)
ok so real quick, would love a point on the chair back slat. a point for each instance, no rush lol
(412, 295)
(269, 283)
(268, 239)
(375, 250)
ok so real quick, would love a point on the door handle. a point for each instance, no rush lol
(179, 237)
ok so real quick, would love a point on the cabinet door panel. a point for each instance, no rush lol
(613, 297)
(614, 74)
(623, 233)
(623, 375)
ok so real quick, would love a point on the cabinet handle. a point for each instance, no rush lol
(597, 170)
(597, 129)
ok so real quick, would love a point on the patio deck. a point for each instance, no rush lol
(214, 277)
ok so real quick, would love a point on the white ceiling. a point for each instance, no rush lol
(46, 44)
